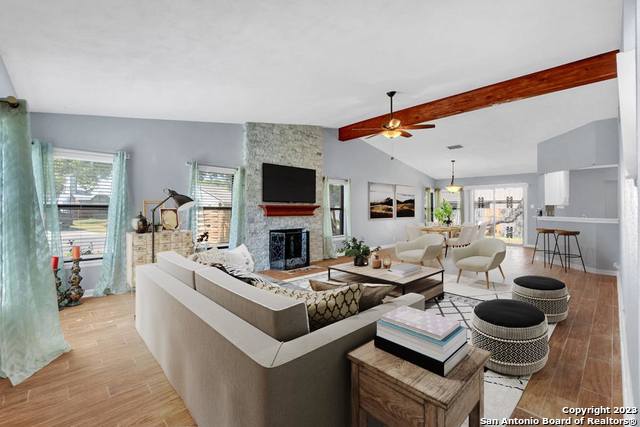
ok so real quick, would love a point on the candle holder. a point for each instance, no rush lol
(62, 294)
(75, 291)
(386, 262)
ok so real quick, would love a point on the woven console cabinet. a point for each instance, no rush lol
(548, 294)
(514, 332)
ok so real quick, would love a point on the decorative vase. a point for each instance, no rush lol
(376, 262)
(360, 261)
(75, 291)
(62, 299)
(140, 224)
(386, 262)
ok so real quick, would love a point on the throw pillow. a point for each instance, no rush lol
(372, 293)
(241, 256)
(209, 257)
(324, 307)
(241, 274)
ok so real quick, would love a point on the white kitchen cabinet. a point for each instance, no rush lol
(556, 188)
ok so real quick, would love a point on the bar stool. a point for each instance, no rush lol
(546, 244)
(566, 244)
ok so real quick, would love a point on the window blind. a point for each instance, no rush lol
(83, 190)
(214, 199)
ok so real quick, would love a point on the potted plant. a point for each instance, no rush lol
(358, 250)
(444, 212)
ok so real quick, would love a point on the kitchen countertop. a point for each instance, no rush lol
(578, 219)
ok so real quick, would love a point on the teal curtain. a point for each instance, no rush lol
(30, 332)
(113, 277)
(193, 193)
(42, 159)
(236, 234)
(329, 250)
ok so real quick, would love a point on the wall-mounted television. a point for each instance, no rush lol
(288, 184)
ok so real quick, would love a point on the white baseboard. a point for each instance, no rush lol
(627, 392)
(576, 264)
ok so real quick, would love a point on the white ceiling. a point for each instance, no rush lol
(501, 140)
(324, 62)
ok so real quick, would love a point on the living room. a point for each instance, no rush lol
(226, 220)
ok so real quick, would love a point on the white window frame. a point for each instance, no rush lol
(88, 156)
(222, 170)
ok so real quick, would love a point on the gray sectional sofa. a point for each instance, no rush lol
(241, 356)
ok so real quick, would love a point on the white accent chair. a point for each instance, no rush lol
(413, 231)
(467, 233)
(480, 256)
(421, 250)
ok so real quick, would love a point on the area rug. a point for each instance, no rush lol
(501, 392)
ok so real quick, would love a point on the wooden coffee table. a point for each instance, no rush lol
(399, 393)
(382, 275)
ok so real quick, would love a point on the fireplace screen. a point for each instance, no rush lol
(288, 249)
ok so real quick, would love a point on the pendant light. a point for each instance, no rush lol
(453, 188)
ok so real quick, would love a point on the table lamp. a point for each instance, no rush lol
(183, 202)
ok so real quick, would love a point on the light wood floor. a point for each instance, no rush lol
(110, 379)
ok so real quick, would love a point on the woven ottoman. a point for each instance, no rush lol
(514, 332)
(548, 294)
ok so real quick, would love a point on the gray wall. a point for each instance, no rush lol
(6, 87)
(592, 193)
(595, 143)
(534, 201)
(159, 149)
(363, 163)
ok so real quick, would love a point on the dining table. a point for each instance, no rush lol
(449, 230)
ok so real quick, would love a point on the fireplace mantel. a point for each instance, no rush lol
(288, 209)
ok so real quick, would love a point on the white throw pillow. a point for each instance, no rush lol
(240, 256)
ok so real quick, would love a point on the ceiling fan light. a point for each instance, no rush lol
(453, 188)
(391, 133)
(394, 123)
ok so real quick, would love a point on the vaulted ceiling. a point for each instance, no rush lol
(326, 63)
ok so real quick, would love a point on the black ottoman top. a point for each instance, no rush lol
(539, 282)
(509, 313)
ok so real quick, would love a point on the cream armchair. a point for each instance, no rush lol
(481, 255)
(423, 249)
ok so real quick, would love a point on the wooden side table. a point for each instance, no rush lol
(399, 393)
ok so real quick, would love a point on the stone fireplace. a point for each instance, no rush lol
(288, 248)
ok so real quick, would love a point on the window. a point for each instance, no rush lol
(455, 200)
(215, 187)
(428, 205)
(336, 206)
(83, 190)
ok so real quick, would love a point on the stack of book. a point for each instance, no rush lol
(404, 270)
(429, 341)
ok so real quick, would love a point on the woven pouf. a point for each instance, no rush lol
(514, 332)
(548, 294)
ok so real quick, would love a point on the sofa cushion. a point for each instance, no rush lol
(239, 257)
(179, 267)
(474, 263)
(278, 316)
(372, 293)
(324, 307)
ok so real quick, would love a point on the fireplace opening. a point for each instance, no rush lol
(288, 248)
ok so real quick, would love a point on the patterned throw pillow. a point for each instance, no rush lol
(239, 256)
(324, 307)
(372, 293)
(242, 274)
(209, 257)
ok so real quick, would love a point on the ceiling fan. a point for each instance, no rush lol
(394, 128)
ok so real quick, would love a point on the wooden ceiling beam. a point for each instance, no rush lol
(585, 71)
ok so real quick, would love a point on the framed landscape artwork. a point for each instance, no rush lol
(380, 201)
(405, 201)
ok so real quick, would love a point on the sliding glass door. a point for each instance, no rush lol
(503, 209)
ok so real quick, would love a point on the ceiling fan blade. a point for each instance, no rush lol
(376, 129)
(405, 134)
(419, 126)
